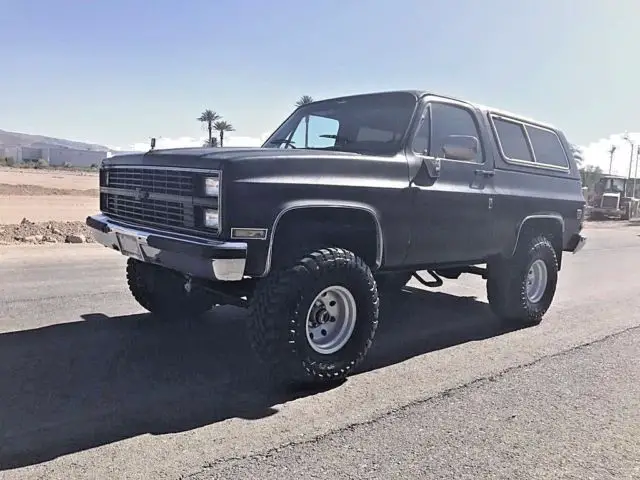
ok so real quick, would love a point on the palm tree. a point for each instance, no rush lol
(212, 143)
(222, 126)
(578, 153)
(209, 117)
(303, 100)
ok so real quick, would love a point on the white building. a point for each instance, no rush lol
(55, 156)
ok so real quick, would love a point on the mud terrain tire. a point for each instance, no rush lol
(161, 291)
(509, 283)
(284, 302)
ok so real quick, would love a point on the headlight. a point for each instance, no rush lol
(211, 186)
(211, 218)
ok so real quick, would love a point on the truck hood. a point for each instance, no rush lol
(215, 158)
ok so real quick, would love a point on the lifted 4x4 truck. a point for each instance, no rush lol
(346, 201)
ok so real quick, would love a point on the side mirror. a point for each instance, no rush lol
(433, 166)
(428, 172)
(153, 143)
(461, 147)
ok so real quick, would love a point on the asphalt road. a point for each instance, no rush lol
(91, 387)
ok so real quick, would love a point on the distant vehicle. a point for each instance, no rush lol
(610, 200)
(347, 200)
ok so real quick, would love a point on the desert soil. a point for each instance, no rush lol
(43, 196)
(61, 179)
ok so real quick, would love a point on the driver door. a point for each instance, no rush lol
(452, 213)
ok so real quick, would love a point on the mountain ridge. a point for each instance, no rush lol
(17, 139)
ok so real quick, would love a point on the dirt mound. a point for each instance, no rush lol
(37, 190)
(45, 233)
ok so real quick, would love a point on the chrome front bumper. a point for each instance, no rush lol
(199, 257)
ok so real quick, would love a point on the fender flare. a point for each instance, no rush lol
(310, 204)
(549, 216)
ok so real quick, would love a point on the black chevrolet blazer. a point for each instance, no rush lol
(346, 201)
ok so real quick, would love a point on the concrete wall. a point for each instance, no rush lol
(77, 158)
(10, 152)
(30, 153)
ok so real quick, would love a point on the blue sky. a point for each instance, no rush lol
(117, 72)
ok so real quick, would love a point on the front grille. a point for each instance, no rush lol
(609, 202)
(159, 213)
(157, 197)
(171, 182)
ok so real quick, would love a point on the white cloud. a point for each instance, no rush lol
(186, 142)
(597, 153)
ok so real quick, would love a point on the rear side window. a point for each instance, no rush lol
(512, 140)
(547, 147)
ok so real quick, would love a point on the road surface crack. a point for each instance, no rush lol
(440, 395)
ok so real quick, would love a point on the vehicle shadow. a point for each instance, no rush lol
(73, 386)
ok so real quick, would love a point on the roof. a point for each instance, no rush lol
(483, 108)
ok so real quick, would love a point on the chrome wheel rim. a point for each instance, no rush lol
(331, 319)
(537, 281)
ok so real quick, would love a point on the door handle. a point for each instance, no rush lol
(484, 173)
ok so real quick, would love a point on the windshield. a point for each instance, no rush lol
(373, 124)
(613, 185)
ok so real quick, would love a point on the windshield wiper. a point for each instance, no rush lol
(338, 138)
(280, 141)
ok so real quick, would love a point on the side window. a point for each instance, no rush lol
(512, 139)
(314, 130)
(451, 120)
(547, 147)
(420, 144)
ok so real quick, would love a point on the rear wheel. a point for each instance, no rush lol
(162, 291)
(314, 322)
(521, 289)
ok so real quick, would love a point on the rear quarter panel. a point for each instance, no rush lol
(525, 190)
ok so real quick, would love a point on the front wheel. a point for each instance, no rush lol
(162, 291)
(314, 322)
(520, 289)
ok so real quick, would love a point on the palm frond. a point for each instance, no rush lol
(223, 126)
(303, 100)
(209, 116)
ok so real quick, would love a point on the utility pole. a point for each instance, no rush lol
(635, 175)
(611, 152)
(631, 146)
